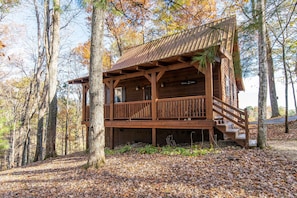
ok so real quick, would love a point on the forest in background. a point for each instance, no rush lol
(24, 61)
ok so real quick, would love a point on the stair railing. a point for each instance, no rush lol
(235, 115)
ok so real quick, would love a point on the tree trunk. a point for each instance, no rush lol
(261, 140)
(26, 148)
(293, 89)
(52, 71)
(12, 146)
(286, 86)
(39, 150)
(272, 90)
(97, 130)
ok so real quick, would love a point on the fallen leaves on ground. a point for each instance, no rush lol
(277, 131)
(232, 172)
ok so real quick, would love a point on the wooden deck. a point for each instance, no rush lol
(178, 113)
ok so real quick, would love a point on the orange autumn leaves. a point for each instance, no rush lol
(84, 54)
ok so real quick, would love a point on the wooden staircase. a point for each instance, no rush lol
(233, 123)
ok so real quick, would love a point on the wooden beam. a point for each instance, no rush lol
(154, 63)
(108, 84)
(183, 59)
(161, 124)
(142, 73)
(200, 69)
(126, 71)
(225, 53)
(140, 68)
(148, 77)
(160, 74)
(116, 83)
(159, 64)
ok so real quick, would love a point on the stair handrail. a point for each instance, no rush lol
(219, 108)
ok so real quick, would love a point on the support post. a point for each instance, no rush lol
(111, 103)
(154, 136)
(84, 103)
(209, 91)
(154, 96)
(154, 106)
(87, 138)
(211, 137)
(111, 138)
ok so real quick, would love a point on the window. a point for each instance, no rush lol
(119, 94)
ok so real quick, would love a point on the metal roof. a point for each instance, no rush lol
(218, 33)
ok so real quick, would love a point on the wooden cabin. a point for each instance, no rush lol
(157, 90)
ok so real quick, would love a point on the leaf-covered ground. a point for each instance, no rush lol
(232, 172)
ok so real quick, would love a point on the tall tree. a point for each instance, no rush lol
(40, 94)
(261, 14)
(52, 44)
(96, 129)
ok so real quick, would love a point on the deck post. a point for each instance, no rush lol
(209, 91)
(84, 101)
(111, 138)
(87, 138)
(84, 116)
(211, 137)
(154, 136)
(111, 102)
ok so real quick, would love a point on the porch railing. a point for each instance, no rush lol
(181, 108)
(133, 110)
(192, 107)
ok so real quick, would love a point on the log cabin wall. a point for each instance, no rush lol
(177, 83)
(229, 88)
(180, 83)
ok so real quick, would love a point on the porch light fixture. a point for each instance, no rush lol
(162, 84)
(189, 82)
(137, 88)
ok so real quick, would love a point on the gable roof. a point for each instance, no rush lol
(218, 33)
(185, 44)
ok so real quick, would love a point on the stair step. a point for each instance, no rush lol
(252, 143)
(232, 130)
(241, 136)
